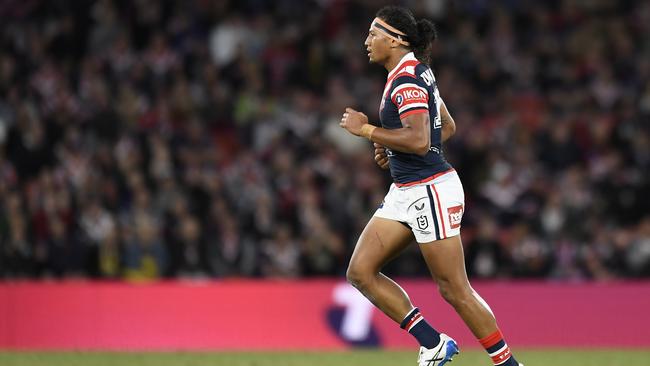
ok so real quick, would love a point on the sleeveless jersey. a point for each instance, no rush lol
(411, 88)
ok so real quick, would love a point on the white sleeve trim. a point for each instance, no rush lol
(413, 105)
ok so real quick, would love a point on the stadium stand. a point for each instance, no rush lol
(155, 139)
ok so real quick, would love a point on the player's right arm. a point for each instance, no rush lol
(448, 130)
(413, 138)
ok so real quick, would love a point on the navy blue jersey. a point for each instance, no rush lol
(411, 88)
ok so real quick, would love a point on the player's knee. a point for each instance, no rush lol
(456, 294)
(446, 292)
(357, 276)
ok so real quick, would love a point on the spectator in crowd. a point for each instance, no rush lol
(155, 139)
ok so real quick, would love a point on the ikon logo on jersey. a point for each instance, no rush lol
(410, 95)
(414, 94)
(455, 216)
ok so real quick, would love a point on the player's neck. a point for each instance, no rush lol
(394, 59)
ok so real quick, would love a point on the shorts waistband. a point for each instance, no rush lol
(425, 180)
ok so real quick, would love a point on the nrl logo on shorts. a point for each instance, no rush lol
(423, 222)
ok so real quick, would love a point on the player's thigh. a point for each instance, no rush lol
(381, 240)
(446, 261)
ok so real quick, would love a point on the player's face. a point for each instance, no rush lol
(378, 46)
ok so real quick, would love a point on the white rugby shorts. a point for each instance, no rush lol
(433, 210)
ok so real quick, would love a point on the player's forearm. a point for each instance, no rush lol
(407, 140)
(448, 130)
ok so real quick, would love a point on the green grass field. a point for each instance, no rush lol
(353, 358)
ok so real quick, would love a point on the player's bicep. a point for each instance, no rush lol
(417, 121)
(418, 124)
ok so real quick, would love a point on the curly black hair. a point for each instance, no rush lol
(420, 34)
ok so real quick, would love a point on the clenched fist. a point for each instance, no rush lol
(381, 157)
(353, 120)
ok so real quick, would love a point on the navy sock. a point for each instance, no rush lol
(415, 324)
(498, 349)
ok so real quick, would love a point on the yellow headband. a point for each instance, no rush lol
(389, 31)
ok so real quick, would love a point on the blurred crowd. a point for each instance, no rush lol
(152, 139)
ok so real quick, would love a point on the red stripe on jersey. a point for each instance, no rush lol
(412, 112)
(424, 180)
(405, 61)
(403, 73)
(400, 71)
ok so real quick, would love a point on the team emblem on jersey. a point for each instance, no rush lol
(423, 222)
(399, 100)
(455, 216)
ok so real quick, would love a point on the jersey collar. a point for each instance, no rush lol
(408, 57)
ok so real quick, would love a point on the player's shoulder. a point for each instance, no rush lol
(422, 69)
(414, 73)
(408, 88)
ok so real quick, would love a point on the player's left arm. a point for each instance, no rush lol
(448, 124)
(381, 157)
